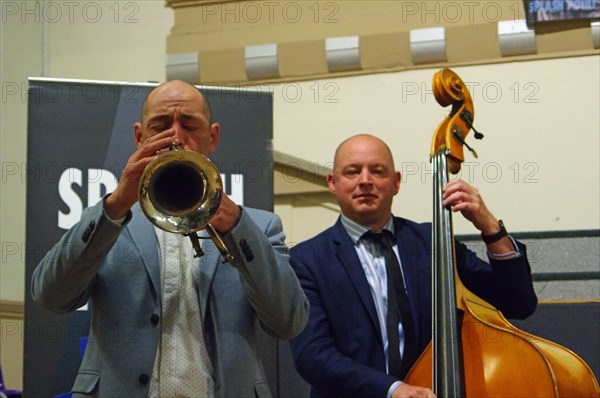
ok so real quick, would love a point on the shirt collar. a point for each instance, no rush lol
(356, 230)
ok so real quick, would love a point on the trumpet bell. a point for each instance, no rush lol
(180, 191)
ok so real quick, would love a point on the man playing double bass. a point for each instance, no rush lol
(352, 345)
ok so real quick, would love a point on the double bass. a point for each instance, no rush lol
(474, 350)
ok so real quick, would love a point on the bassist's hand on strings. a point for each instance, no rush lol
(460, 196)
(465, 198)
(409, 391)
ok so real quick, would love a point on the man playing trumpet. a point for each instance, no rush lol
(192, 323)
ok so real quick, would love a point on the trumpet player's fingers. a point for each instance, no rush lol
(227, 216)
(118, 203)
(147, 150)
(126, 193)
(156, 144)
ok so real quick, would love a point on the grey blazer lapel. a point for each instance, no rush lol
(208, 268)
(144, 238)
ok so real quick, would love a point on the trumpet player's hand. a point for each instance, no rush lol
(118, 203)
(227, 216)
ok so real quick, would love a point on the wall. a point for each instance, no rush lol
(13, 137)
(217, 42)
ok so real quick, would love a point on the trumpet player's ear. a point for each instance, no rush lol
(137, 134)
(215, 131)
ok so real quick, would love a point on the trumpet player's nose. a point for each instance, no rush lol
(180, 135)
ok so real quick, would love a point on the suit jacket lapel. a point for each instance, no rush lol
(346, 254)
(143, 236)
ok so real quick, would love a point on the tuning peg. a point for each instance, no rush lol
(460, 139)
(468, 119)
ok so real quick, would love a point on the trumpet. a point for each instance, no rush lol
(180, 191)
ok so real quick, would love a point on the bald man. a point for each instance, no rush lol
(166, 324)
(350, 347)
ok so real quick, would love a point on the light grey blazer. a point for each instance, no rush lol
(117, 270)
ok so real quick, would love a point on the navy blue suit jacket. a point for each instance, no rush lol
(340, 352)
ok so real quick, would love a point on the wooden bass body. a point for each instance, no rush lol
(502, 361)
